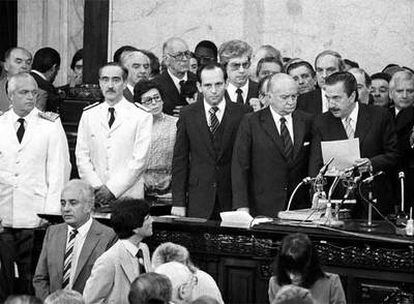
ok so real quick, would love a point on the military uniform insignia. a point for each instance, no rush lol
(91, 106)
(51, 116)
(140, 106)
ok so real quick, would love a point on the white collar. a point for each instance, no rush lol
(244, 88)
(354, 113)
(176, 79)
(28, 117)
(82, 230)
(277, 116)
(221, 105)
(131, 248)
(39, 73)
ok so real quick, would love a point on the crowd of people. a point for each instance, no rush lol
(213, 130)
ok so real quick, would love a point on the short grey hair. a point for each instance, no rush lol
(400, 76)
(233, 49)
(341, 64)
(84, 188)
(64, 296)
(171, 252)
(15, 79)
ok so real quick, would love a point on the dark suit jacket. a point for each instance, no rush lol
(129, 95)
(311, 102)
(253, 92)
(262, 176)
(171, 95)
(377, 141)
(49, 271)
(197, 170)
(6, 271)
(54, 101)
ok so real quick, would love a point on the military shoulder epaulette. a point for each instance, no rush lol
(91, 106)
(51, 116)
(140, 106)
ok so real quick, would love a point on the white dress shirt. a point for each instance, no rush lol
(177, 80)
(27, 119)
(221, 107)
(289, 122)
(325, 103)
(231, 89)
(77, 247)
(353, 116)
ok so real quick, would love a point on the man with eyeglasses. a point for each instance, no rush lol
(235, 56)
(201, 175)
(16, 60)
(32, 172)
(176, 56)
(271, 152)
(113, 140)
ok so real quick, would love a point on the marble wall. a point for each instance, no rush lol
(54, 23)
(372, 32)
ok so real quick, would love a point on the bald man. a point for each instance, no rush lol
(16, 60)
(270, 155)
(176, 57)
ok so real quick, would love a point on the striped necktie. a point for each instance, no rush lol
(287, 140)
(68, 258)
(214, 122)
(348, 128)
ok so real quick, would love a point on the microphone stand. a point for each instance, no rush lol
(369, 224)
(402, 217)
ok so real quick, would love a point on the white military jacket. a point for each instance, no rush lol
(116, 156)
(32, 173)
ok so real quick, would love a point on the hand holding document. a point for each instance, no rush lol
(344, 152)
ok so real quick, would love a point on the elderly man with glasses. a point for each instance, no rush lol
(176, 57)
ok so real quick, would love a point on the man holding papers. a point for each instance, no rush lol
(373, 126)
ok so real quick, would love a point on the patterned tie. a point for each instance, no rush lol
(68, 258)
(348, 128)
(20, 130)
(112, 117)
(240, 99)
(214, 122)
(140, 258)
(287, 140)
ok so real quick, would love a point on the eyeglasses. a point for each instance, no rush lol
(146, 101)
(236, 65)
(26, 93)
(181, 55)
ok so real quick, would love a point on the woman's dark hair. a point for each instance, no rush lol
(297, 255)
(78, 56)
(127, 215)
(143, 87)
(154, 63)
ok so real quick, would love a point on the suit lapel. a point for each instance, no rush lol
(130, 269)
(269, 126)
(128, 95)
(170, 83)
(60, 248)
(200, 119)
(226, 125)
(92, 238)
(363, 124)
(298, 132)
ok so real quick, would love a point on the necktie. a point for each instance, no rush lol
(20, 130)
(112, 117)
(181, 83)
(348, 128)
(214, 122)
(68, 258)
(239, 96)
(140, 258)
(287, 140)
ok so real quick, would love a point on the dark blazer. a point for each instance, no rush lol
(311, 102)
(253, 92)
(377, 141)
(128, 95)
(200, 173)
(171, 95)
(53, 101)
(49, 271)
(6, 271)
(262, 176)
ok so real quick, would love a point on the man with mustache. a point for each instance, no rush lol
(70, 249)
(32, 172)
(113, 140)
(373, 126)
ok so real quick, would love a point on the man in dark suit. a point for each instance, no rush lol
(401, 91)
(176, 56)
(374, 127)
(201, 173)
(6, 269)
(326, 63)
(66, 262)
(271, 153)
(46, 64)
(235, 56)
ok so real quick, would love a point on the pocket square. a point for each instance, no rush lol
(306, 143)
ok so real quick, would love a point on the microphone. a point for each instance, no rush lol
(354, 167)
(401, 176)
(325, 167)
(372, 177)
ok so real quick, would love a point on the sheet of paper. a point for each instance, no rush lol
(236, 219)
(344, 152)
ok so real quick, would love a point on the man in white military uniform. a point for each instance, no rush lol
(113, 140)
(31, 172)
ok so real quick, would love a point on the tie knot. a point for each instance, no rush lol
(239, 91)
(282, 120)
(181, 82)
(213, 110)
(348, 119)
(21, 120)
(74, 232)
(111, 110)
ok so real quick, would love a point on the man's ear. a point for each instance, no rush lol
(184, 291)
